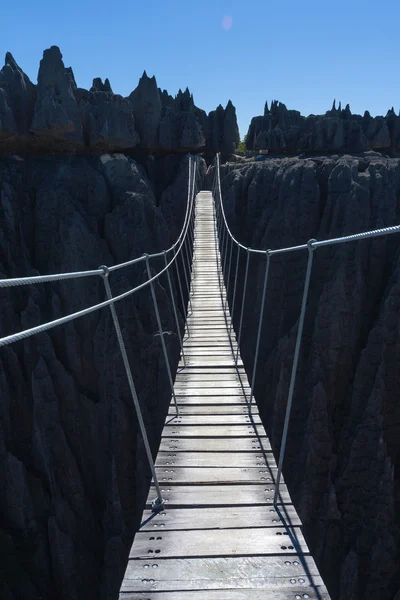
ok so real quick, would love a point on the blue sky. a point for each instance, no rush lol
(303, 53)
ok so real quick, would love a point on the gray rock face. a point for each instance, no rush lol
(342, 458)
(56, 112)
(57, 116)
(73, 472)
(99, 86)
(146, 104)
(107, 118)
(283, 130)
(8, 126)
(21, 94)
(223, 130)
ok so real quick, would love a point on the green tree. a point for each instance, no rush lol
(241, 149)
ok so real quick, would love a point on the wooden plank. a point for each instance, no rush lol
(210, 352)
(227, 431)
(218, 495)
(214, 444)
(207, 335)
(218, 517)
(208, 375)
(213, 289)
(233, 394)
(206, 326)
(190, 385)
(175, 474)
(277, 593)
(212, 459)
(214, 305)
(219, 542)
(211, 391)
(211, 324)
(196, 336)
(252, 430)
(207, 361)
(230, 369)
(216, 336)
(199, 392)
(206, 420)
(214, 348)
(225, 369)
(215, 573)
(196, 388)
(228, 372)
(209, 383)
(221, 318)
(211, 399)
(210, 409)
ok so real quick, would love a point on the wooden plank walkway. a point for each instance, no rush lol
(219, 537)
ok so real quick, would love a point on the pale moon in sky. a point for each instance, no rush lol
(227, 22)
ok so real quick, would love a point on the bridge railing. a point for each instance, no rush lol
(180, 249)
(227, 242)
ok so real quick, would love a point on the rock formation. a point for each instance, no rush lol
(342, 461)
(282, 130)
(18, 97)
(73, 470)
(224, 132)
(146, 106)
(56, 115)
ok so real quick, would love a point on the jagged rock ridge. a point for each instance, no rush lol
(283, 130)
(57, 115)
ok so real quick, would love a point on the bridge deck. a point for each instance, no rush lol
(220, 536)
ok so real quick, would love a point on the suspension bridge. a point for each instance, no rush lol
(220, 535)
(219, 522)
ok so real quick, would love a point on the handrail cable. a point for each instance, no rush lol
(100, 271)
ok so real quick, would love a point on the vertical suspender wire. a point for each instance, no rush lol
(174, 308)
(221, 247)
(235, 287)
(191, 234)
(158, 503)
(181, 293)
(160, 329)
(221, 276)
(225, 276)
(224, 257)
(243, 302)
(219, 200)
(190, 190)
(187, 216)
(190, 238)
(220, 229)
(191, 183)
(294, 367)
(229, 275)
(185, 249)
(186, 280)
(260, 323)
